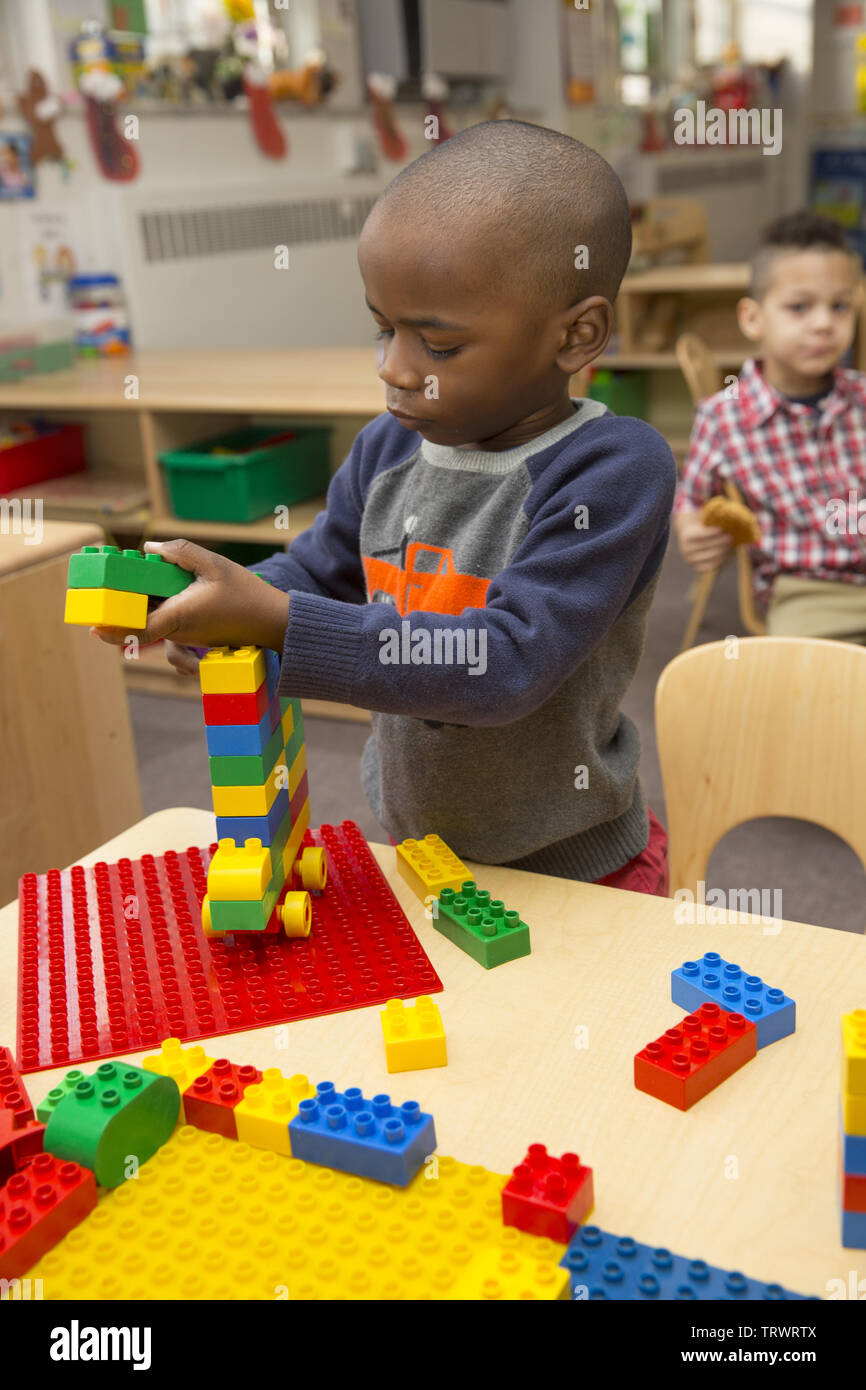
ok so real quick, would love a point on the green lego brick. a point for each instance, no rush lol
(248, 916)
(113, 1121)
(294, 744)
(236, 770)
(47, 1107)
(481, 926)
(107, 567)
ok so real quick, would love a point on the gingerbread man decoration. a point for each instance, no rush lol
(40, 110)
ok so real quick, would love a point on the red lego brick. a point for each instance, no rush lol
(689, 1061)
(38, 1207)
(853, 1192)
(15, 1108)
(236, 708)
(548, 1196)
(209, 1103)
(17, 1146)
(112, 958)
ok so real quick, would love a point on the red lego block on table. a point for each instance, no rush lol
(112, 958)
(548, 1196)
(236, 708)
(853, 1192)
(15, 1108)
(209, 1103)
(38, 1207)
(689, 1061)
(17, 1146)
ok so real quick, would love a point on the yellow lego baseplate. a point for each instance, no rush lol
(510, 1275)
(211, 1218)
(239, 873)
(428, 866)
(854, 1052)
(413, 1034)
(228, 671)
(106, 608)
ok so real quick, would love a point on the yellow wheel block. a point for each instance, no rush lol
(205, 921)
(296, 914)
(312, 867)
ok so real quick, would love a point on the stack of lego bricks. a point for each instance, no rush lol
(108, 587)
(258, 771)
(853, 1135)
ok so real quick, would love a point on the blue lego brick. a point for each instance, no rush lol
(264, 828)
(617, 1268)
(853, 1151)
(712, 980)
(272, 670)
(854, 1230)
(370, 1138)
(243, 740)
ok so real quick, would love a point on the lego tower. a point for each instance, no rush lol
(258, 770)
(853, 1138)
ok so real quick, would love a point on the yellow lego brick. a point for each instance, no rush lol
(227, 671)
(239, 873)
(854, 1053)
(183, 1064)
(106, 608)
(210, 1218)
(297, 770)
(250, 801)
(288, 724)
(414, 1036)
(264, 1112)
(508, 1275)
(293, 844)
(853, 1113)
(428, 866)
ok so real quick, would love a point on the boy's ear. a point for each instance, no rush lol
(584, 332)
(749, 318)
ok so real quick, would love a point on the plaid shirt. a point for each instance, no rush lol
(790, 463)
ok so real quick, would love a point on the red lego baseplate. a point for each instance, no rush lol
(112, 958)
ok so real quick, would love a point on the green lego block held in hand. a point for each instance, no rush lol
(113, 1120)
(481, 926)
(107, 567)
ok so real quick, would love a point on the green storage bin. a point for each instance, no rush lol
(246, 474)
(625, 393)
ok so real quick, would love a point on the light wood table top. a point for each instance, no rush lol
(20, 552)
(745, 1180)
(732, 275)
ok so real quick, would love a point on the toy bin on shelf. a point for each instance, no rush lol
(244, 475)
(624, 393)
(49, 451)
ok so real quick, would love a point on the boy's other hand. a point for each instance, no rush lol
(185, 660)
(702, 547)
(225, 606)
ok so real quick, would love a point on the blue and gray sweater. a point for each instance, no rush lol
(490, 609)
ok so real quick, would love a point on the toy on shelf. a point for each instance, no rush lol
(689, 1061)
(308, 84)
(853, 1130)
(548, 1196)
(604, 1266)
(370, 1138)
(112, 958)
(428, 866)
(414, 1037)
(481, 926)
(113, 1121)
(712, 980)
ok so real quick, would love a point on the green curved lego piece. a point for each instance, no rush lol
(117, 1114)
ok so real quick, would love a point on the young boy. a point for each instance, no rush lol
(481, 575)
(792, 436)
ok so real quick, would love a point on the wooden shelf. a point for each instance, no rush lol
(301, 516)
(91, 493)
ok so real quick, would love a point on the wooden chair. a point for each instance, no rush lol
(703, 378)
(770, 727)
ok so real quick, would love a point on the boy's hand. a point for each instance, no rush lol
(225, 606)
(702, 547)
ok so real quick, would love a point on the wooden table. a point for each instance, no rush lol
(541, 1050)
(68, 774)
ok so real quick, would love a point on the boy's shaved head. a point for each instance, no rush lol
(531, 196)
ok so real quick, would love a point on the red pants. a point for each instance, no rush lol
(648, 872)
